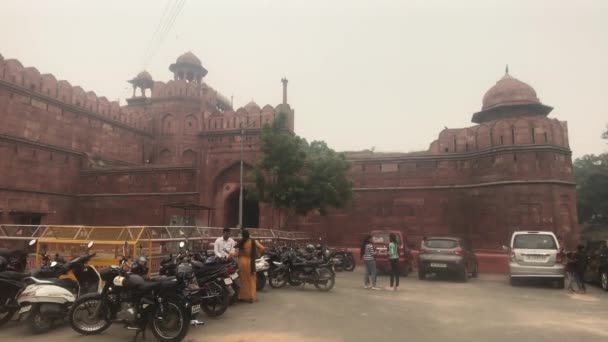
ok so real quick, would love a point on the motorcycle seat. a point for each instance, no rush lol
(160, 278)
(310, 262)
(12, 275)
(67, 283)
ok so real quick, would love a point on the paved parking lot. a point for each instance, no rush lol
(484, 309)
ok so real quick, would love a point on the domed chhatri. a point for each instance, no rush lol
(188, 67)
(144, 75)
(252, 106)
(507, 91)
(143, 81)
(508, 97)
(189, 58)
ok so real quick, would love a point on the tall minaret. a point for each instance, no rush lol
(284, 81)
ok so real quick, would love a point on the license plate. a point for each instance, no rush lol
(227, 281)
(439, 265)
(535, 258)
(25, 309)
(196, 308)
(234, 276)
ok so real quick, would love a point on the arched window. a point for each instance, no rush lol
(164, 157)
(191, 125)
(167, 125)
(189, 157)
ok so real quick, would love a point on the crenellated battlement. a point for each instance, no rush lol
(47, 85)
(251, 116)
(524, 130)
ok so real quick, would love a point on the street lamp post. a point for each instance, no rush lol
(241, 180)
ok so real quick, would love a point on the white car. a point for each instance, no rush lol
(535, 254)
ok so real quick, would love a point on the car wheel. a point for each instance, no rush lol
(513, 281)
(475, 273)
(560, 284)
(604, 280)
(464, 275)
(421, 274)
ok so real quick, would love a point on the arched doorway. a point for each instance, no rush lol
(251, 211)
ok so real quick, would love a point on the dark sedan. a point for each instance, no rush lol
(447, 255)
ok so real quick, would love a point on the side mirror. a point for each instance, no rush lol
(90, 244)
(505, 248)
(32, 242)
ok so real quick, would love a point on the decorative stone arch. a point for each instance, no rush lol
(191, 125)
(226, 192)
(521, 128)
(189, 157)
(502, 133)
(167, 125)
(165, 156)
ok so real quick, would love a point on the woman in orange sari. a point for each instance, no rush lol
(248, 250)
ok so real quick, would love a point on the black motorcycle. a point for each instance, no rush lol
(212, 279)
(128, 297)
(297, 270)
(12, 264)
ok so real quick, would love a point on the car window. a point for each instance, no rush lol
(534, 241)
(383, 238)
(441, 243)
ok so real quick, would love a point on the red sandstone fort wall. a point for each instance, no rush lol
(40, 109)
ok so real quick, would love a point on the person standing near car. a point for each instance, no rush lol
(368, 254)
(393, 258)
(580, 267)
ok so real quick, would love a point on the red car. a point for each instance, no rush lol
(381, 241)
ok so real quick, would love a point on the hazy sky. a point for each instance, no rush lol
(362, 74)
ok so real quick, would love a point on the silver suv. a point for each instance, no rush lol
(535, 254)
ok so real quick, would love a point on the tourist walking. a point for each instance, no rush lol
(248, 250)
(580, 267)
(393, 259)
(368, 254)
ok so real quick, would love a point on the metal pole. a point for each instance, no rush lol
(241, 181)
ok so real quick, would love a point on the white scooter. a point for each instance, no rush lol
(45, 301)
(261, 271)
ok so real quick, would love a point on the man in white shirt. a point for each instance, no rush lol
(224, 244)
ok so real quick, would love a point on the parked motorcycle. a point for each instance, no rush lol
(296, 269)
(128, 297)
(45, 301)
(12, 264)
(211, 279)
(262, 265)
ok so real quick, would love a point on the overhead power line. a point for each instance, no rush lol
(168, 17)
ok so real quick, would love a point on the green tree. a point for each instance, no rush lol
(298, 177)
(591, 175)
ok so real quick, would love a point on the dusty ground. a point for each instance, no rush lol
(485, 309)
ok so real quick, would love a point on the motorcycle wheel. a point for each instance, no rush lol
(341, 265)
(236, 289)
(173, 325)
(39, 324)
(277, 279)
(81, 315)
(349, 263)
(216, 306)
(260, 281)
(326, 284)
(295, 283)
(6, 315)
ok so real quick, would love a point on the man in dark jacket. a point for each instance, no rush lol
(581, 259)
